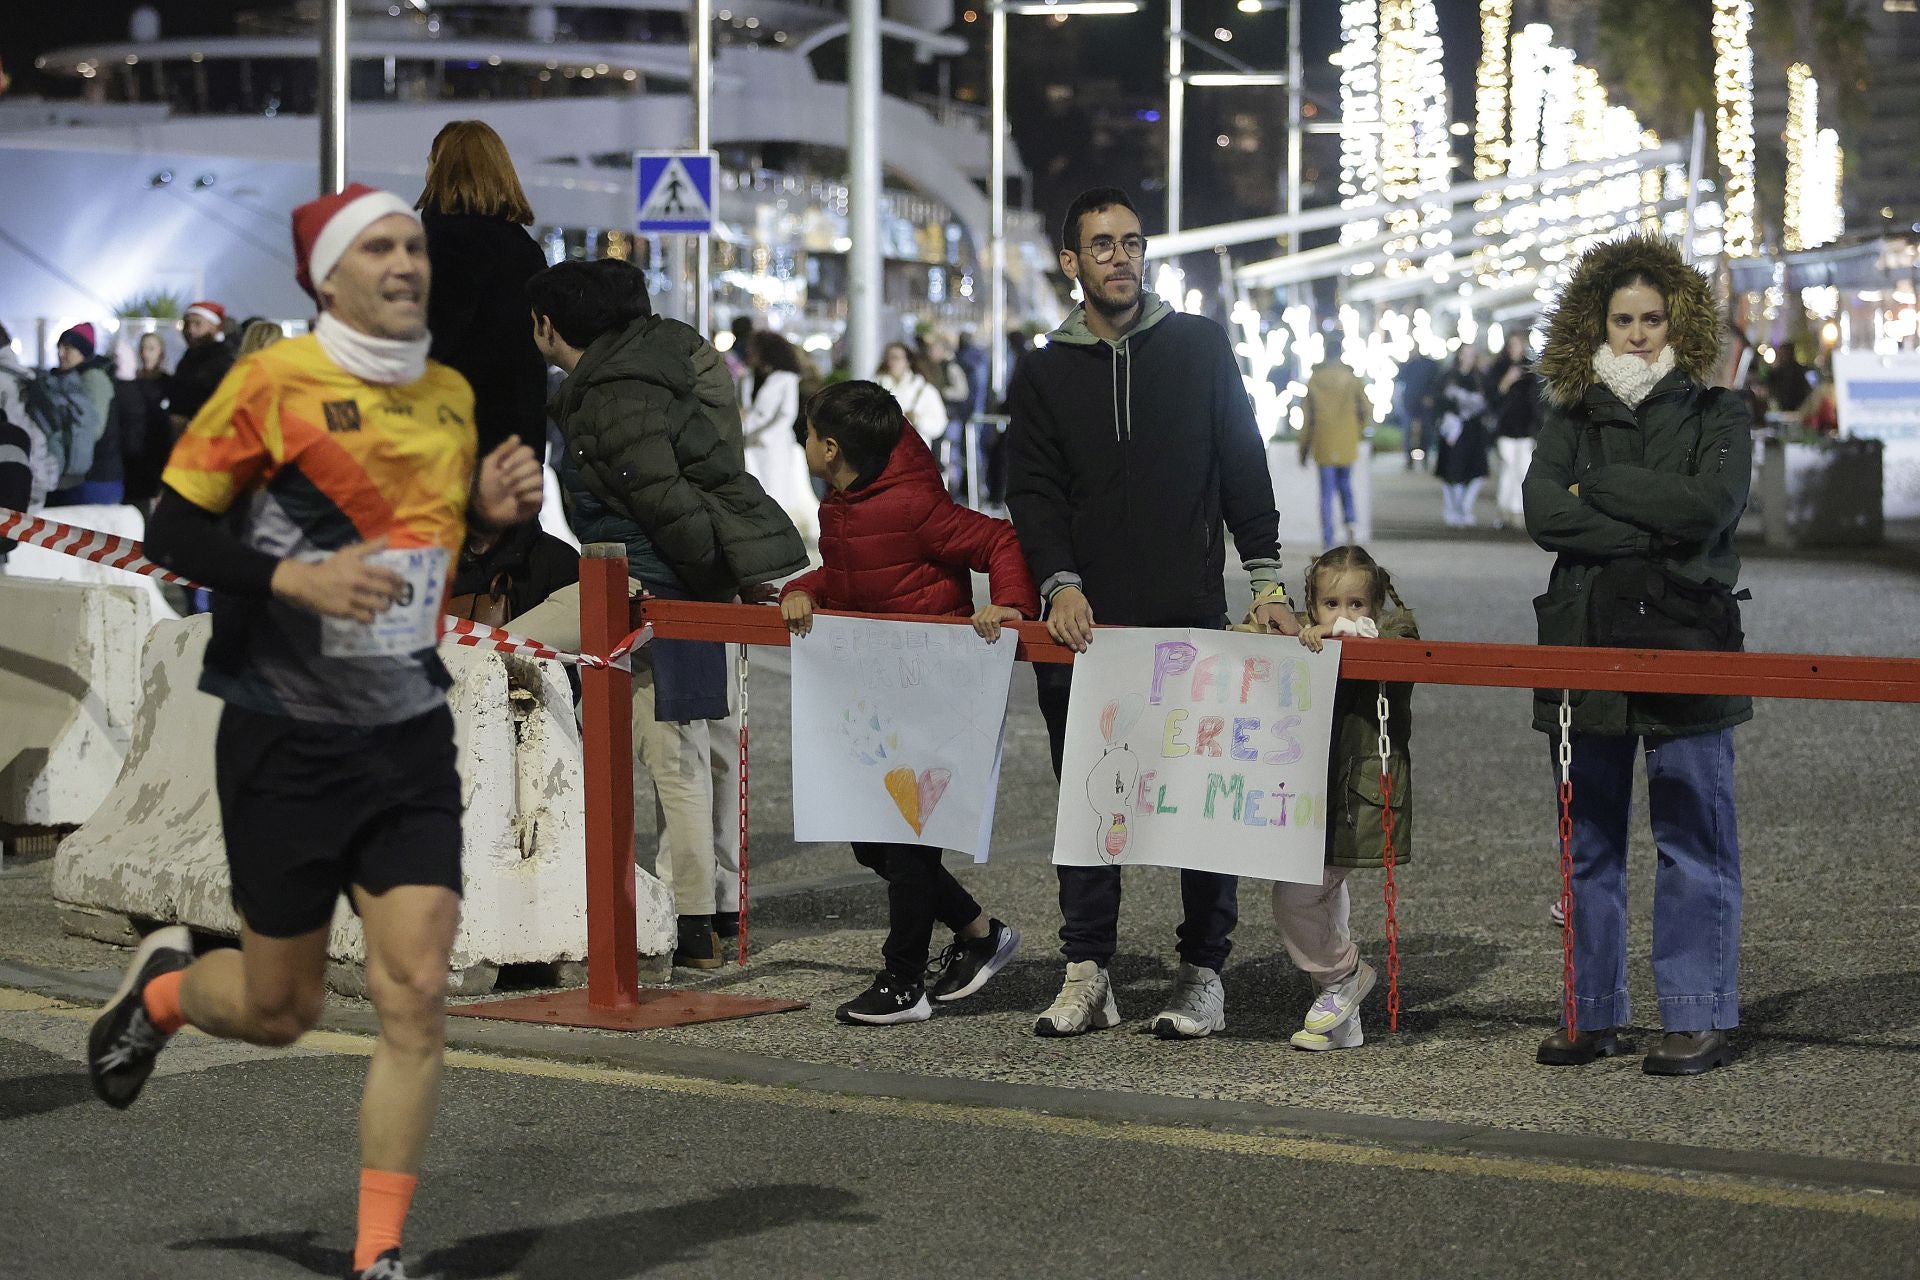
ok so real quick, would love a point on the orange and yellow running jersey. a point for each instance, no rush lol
(309, 459)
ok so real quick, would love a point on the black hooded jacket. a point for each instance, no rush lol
(1125, 459)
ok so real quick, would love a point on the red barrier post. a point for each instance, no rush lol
(613, 959)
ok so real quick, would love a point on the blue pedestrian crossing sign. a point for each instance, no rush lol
(673, 192)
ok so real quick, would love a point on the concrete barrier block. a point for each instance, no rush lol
(154, 849)
(70, 690)
(27, 561)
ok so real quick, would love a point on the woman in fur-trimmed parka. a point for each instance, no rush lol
(1642, 469)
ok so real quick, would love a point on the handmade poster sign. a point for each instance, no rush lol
(896, 732)
(1198, 749)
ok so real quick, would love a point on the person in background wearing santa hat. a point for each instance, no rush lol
(81, 392)
(348, 458)
(202, 366)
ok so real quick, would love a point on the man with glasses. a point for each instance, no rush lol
(1132, 441)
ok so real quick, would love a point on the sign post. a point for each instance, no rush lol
(674, 195)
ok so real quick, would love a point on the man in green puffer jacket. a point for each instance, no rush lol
(651, 457)
(1643, 467)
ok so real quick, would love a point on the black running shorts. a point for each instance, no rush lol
(309, 809)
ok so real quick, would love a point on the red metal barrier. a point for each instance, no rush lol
(606, 617)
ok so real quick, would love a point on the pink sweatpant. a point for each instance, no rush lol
(1313, 924)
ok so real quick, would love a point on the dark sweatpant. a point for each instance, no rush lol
(919, 891)
(1090, 896)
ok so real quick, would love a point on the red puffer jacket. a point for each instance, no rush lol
(901, 545)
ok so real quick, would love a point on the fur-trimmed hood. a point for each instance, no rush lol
(1577, 324)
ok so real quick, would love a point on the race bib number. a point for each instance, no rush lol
(411, 624)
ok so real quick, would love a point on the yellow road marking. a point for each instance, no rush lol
(1721, 1188)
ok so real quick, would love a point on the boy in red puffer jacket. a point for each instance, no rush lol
(892, 541)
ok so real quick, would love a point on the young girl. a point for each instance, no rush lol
(1348, 594)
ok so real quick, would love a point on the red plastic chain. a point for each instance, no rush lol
(743, 805)
(1566, 861)
(1392, 894)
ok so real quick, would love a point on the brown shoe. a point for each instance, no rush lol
(1578, 1048)
(697, 948)
(1688, 1053)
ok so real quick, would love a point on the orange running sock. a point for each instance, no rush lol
(384, 1200)
(162, 1001)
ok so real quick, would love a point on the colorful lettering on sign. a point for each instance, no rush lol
(1170, 658)
(1205, 735)
(1236, 791)
(1170, 745)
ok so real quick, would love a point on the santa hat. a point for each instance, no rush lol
(80, 338)
(324, 229)
(212, 312)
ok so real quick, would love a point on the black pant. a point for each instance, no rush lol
(919, 891)
(1090, 896)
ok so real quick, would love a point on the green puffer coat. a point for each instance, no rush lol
(1356, 833)
(653, 429)
(1667, 479)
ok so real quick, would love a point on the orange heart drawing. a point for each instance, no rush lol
(917, 796)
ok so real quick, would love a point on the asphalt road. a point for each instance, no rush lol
(240, 1164)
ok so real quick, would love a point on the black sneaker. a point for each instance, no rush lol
(726, 924)
(123, 1044)
(889, 1000)
(966, 964)
(385, 1267)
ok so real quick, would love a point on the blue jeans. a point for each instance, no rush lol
(1696, 884)
(1334, 480)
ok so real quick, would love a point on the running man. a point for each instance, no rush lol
(348, 459)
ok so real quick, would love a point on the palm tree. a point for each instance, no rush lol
(1660, 54)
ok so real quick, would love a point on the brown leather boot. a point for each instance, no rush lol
(1577, 1049)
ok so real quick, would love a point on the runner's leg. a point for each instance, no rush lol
(268, 992)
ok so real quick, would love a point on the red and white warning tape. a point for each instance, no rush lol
(117, 552)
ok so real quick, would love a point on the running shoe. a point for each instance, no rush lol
(385, 1267)
(1085, 1003)
(1197, 1008)
(1558, 914)
(965, 966)
(124, 1043)
(1340, 1001)
(890, 1000)
(1347, 1035)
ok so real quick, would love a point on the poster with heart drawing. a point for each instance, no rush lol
(897, 731)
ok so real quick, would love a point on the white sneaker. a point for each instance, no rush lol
(1345, 1036)
(1085, 1003)
(1198, 1006)
(1340, 1001)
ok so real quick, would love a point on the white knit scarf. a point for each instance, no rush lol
(383, 360)
(1631, 377)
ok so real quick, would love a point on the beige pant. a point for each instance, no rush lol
(1313, 925)
(677, 756)
(723, 763)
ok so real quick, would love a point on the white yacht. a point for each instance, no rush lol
(175, 164)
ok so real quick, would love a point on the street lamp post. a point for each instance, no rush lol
(333, 98)
(997, 160)
(701, 17)
(864, 292)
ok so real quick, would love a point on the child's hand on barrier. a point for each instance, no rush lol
(759, 593)
(796, 610)
(986, 622)
(1314, 637)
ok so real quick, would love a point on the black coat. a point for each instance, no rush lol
(529, 563)
(1126, 459)
(146, 438)
(1463, 395)
(197, 377)
(1517, 409)
(482, 325)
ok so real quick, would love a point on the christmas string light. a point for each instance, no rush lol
(1733, 120)
(1813, 215)
(1490, 90)
(1359, 61)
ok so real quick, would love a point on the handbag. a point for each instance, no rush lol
(1637, 603)
(492, 607)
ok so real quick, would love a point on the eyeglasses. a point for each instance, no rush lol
(1102, 248)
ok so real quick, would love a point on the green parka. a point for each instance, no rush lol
(652, 429)
(1667, 479)
(1356, 833)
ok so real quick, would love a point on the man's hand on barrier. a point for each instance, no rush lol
(344, 585)
(1275, 616)
(796, 609)
(1314, 637)
(1070, 619)
(508, 486)
(987, 620)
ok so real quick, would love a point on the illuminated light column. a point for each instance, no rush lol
(1733, 120)
(1359, 61)
(1813, 160)
(1415, 146)
(1826, 214)
(1490, 90)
